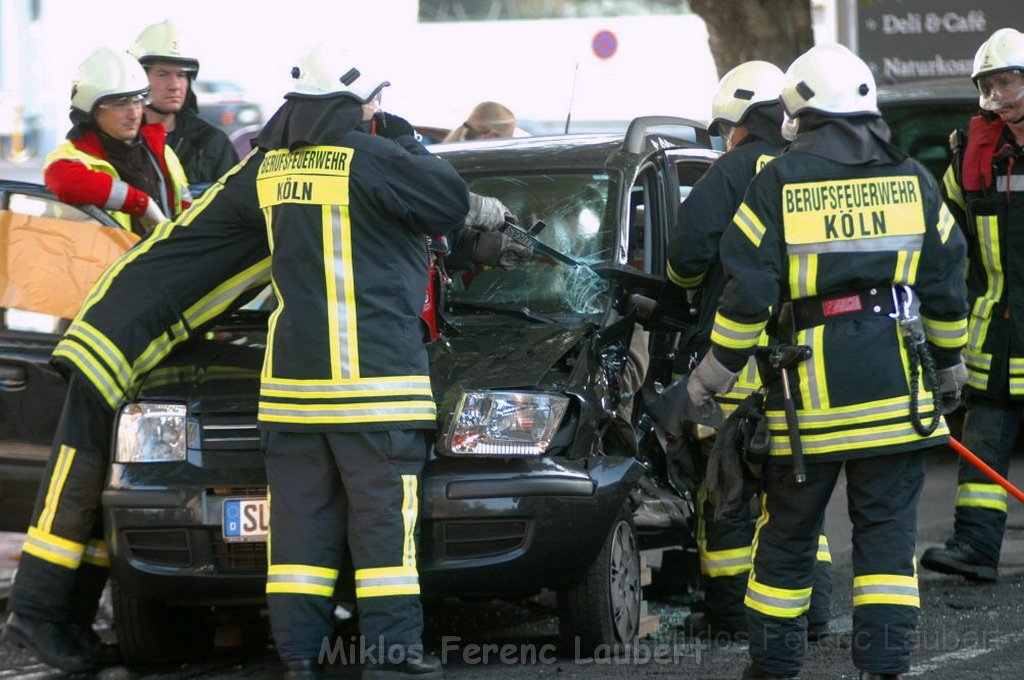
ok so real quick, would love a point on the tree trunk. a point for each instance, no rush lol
(740, 30)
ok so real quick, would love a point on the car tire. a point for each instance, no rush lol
(600, 616)
(152, 633)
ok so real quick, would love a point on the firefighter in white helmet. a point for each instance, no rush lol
(112, 159)
(169, 58)
(833, 233)
(746, 114)
(985, 190)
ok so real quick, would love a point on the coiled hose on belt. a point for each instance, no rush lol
(920, 357)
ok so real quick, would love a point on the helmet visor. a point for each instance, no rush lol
(1000, 89)
(121, 103)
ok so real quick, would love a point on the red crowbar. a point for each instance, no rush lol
(989, 472)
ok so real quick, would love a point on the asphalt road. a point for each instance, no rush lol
(967, 631)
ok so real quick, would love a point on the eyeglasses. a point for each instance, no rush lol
(1003, 81)
(125, 103)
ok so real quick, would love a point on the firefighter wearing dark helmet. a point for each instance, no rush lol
(840, 231)
(746, 114)
(985, 190)
(170, 61)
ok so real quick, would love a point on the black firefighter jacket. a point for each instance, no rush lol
(345, 223)
(205, 151)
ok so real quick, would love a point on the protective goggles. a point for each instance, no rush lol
(1000, 89)
(124, 103)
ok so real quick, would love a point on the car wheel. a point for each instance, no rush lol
(601, 615)
(152, 633)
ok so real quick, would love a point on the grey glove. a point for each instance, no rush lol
(486, 213)
(495, 249)
(153, 215)
(951, 382)
(708, 379)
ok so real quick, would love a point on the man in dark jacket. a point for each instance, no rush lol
(205, 151)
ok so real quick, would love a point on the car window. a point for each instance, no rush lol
(923, 131)
(580, 217)
(642, 219)
(39, 206)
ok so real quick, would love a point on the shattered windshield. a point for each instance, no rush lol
(579, 213)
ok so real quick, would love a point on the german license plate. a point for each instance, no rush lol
(246, 519)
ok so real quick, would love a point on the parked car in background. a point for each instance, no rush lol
(534, 481)
(223, 103)
(922, 114)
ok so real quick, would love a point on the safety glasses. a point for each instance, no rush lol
(125, 103)
(1006, 82)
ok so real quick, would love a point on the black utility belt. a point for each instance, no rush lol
(823, 309)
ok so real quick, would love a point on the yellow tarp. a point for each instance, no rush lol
(48, 265)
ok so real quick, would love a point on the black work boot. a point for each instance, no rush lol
(752, 672)
(962, 559)
(302, 669)
(53, 643)
(864, 675)
(426, 667)
(704, 625)
(98, 651)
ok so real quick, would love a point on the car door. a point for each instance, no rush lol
(31, 391)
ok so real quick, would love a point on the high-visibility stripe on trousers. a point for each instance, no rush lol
(64, 560)
(336, 492)
(882, 496)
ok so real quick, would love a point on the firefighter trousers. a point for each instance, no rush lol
(332, 492)
(64, 562)
(990, 431)
(725, 547)
(882, 496)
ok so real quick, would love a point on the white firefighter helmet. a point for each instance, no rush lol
(1003, 51)
(743, 88)
(105, 74)
(165, 42)
(832, 80)
(325, 73)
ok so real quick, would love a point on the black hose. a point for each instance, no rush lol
(921, 358)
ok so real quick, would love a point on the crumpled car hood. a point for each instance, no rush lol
(487, 357)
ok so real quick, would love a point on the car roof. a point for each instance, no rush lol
(932, 90)
(555, 151)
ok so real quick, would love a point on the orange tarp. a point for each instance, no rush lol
(49, 265)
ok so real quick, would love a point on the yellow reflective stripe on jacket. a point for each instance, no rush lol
(398, 385)
(387, 581)
(780, 602)
(53, 549)
(907, 262)
(824, 554)
(358, 412)
(301, 579)
(885, 589)
(813, 383)
(949, 334)
(735, 334)
(336, 227)
(95, 372)
(684, 281)
(749, 223)
(410, 512)
(979, 365)
(953, 190)
(946, 223)
(991, 496)
(803, 274)
(96, 553)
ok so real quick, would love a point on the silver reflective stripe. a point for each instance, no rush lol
(885, 589)
(118, 194)
(981, 496)
(99, 377)
(779, 602)
(300, 578)
(741, 337)
(865, 435)
(161, 196)
(73, 555)
(859, 245)
(942, 333)
(382, 383)
(721, 563)
(870, 413)
(388, 581)
(753, 226)
(102, 345)
(1016, 183)
(342, 284)
(345, 411)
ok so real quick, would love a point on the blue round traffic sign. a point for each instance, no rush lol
(604, 44)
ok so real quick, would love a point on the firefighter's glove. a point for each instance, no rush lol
(153, 215)
(392, 126)
(708, 379)
(486, 213)
(495, 249)
(951, 383)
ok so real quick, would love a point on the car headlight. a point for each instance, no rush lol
(151, 433)
(489, 423)
(248, 116)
